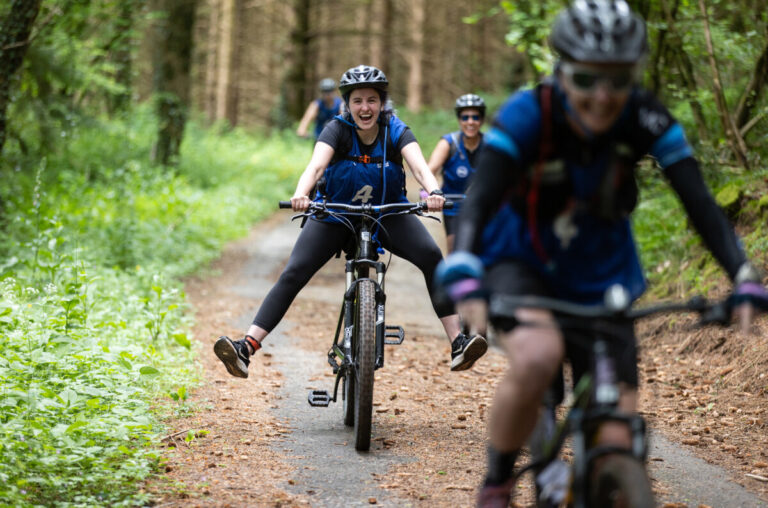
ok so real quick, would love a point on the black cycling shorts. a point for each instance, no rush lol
(449, 223)
(516, 278)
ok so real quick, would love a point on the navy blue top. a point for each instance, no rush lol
(325, 114)
(458, 169)
(584, 253)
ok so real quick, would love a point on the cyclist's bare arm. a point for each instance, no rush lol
(496, 173)
(415, 159)
(309, 115)
(439, 156)
(321, 157)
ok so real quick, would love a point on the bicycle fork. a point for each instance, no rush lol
(340, 355)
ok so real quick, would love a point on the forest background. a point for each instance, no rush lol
(138, 136)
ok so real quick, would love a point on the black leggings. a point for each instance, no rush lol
(320, 241)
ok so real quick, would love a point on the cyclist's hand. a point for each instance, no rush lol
(460, 275)
(746, 297)
(300, 203)
(435, 203)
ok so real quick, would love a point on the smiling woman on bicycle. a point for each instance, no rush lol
(359, 154)
(566, 152)
(456, 153)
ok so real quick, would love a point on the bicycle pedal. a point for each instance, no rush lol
(319, 398)
(396, 332)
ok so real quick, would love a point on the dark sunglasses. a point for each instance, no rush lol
(586, 80)
(466, 118)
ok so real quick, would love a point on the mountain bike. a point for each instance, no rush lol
(359, 351)
(599, 475)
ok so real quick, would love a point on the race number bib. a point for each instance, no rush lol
(364, 194)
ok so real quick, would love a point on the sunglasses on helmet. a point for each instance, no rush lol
(586, 79)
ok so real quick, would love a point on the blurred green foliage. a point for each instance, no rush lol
(93, 324)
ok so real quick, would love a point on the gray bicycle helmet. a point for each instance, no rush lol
(470, 100)
(599, 31)
(327, 85)
(363, 76)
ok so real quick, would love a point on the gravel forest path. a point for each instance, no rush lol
(266, 446)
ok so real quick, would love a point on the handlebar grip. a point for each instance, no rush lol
(285, 204)
(448, 205)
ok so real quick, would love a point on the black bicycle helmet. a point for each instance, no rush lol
(363, 76)
(599, 31)
(470, 100)
(327, 85)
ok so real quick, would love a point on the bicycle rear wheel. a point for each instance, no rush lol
(364, 347)
(620, 481)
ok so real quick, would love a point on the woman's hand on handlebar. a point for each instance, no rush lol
(435, 203)
(300, 203)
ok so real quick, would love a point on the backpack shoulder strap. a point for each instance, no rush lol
(455, 140)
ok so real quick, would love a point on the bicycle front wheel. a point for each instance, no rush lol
(620, 481)
(364, 347)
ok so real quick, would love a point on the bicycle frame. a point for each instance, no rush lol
(596, 393)
(357, 352)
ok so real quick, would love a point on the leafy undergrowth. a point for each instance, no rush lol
(92, 316)
(677, 264)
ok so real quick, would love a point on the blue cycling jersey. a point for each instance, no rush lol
(457, 170)
(583, 246)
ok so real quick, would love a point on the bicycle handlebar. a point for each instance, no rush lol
(365, 208)
(709, 312)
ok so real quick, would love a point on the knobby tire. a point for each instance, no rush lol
(620, 482)
(365, 360)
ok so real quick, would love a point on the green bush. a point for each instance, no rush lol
(93, 327)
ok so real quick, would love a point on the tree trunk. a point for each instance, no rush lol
(684, 66)
(228, 56)
(377, 39)
(14, 40)
(732, 134)
(754, 89)
(414, 56)
(172, 58)
(212, 60)
(296, 81)
(386, 56)
(120, 56)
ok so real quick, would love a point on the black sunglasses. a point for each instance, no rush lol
(586, 79)
(466, 118)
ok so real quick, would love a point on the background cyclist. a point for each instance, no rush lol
(322, 109)
(564, 155)
(360, 155)
(455, 155)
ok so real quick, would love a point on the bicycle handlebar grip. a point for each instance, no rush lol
(448, 205)
(285, 204)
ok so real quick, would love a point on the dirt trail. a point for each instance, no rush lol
(267, 447)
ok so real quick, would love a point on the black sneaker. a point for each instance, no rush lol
(234, 354)
(466, 350)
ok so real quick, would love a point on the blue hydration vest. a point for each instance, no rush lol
(373, 178)
(584, 254)
(457, 170)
